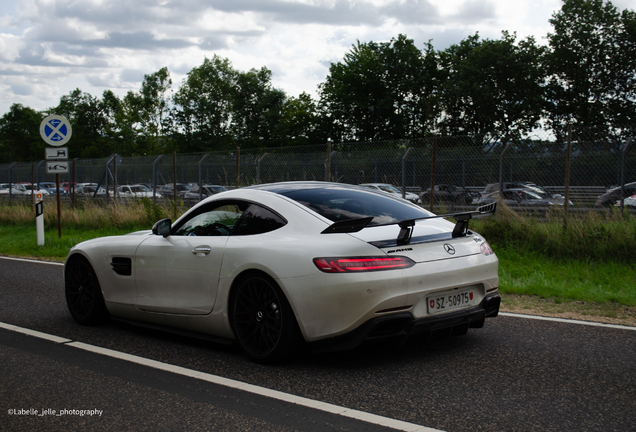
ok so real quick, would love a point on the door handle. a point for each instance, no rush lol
(202, 250)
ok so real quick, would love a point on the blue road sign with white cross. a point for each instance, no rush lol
(55, 130)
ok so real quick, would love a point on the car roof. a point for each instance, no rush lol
(303, 185)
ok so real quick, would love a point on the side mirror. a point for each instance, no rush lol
(162, 227)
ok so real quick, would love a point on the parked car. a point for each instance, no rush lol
(629, 202)
(517, 197)
(168, 189)
(206, 191)
(136, 191)
(50, 188)
(65, 186)
(88, 190)
(448, 193)
(275, 267)
(529, 186)
(26, 189)
(612, 195)
(389, 188)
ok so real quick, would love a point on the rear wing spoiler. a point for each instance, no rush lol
(406, 226)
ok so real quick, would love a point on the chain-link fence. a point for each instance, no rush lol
(411, 165)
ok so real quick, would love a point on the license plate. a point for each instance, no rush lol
(450, 300)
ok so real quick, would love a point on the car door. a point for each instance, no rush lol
(179, 273)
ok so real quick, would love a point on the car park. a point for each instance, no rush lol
(280, 266)
(448, 193)
(533, 188)
(26, 189)
(168, 189)
(205, 191)
(136, 191)
(517, 197)
(50, 188)
(389, 188)
(616, 193)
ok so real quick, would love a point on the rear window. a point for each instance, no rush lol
(340, 204)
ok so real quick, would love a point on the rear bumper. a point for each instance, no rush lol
(399, 327)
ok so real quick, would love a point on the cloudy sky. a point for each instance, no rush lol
(50, 47)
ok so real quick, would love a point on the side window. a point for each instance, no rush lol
(216, 221)
(258, 220)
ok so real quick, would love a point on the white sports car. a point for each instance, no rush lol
(274, 266)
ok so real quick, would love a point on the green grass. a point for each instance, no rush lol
(21, 240)
(588, 281)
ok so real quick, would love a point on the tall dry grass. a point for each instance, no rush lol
(608, 236)
(593, 236)
(88, 214)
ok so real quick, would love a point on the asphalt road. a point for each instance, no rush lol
(515, 374)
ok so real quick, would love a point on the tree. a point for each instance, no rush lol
(299, 121)
(492, 89)
(256, 108)
(592, 68)
(20, 139)
(203, 106)
(154, 101)
(90, 124)
(379, 91)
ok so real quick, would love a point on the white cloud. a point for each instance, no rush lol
(50, 47)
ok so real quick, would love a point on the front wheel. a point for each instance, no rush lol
(261, 317)
(83, 293)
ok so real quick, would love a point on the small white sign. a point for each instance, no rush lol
(57, 167)
(55, 130)
(56, 153)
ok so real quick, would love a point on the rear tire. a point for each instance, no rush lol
(83, 293)
(262, 319)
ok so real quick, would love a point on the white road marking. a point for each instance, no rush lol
(226, 382)
(37, 334)
(31, 260)
(568, 321)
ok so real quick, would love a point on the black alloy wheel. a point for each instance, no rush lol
(262, 319)
(83, 293)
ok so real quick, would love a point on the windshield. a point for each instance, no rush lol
(344, 203)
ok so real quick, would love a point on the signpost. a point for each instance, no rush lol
(55, 130)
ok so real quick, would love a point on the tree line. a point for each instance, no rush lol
(493, 91)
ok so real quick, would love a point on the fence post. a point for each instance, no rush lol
(629, 141)
(328, 161)
(238, 167)
(34, 187)
(174, 182)
(201, 177)
(114, 180)
(10, 184)
(154, 177)
(433, 161)
(37, 172)
(406, 155)
(568, 158)
(501, 188)
(258, 168)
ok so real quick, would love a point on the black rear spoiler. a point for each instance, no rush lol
(406, 230)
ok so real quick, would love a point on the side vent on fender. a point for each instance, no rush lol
(122, 266)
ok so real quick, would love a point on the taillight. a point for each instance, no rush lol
(362, 264)
(486, 249)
